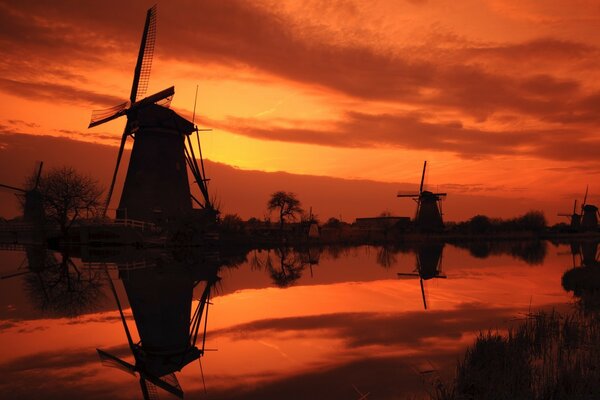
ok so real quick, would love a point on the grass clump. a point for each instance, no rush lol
(547, 356)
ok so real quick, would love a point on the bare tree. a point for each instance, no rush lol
(286, 204)
(68, 195)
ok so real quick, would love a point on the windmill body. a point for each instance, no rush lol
(589, 220)
(428, 217)
(33, 205)
(156, 187)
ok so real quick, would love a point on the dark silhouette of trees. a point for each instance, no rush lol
(68, 196)
(286, 204)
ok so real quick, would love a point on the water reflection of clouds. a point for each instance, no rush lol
(384, 329)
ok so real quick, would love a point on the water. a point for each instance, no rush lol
(319, 323)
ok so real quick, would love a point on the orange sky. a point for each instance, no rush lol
(499, 95)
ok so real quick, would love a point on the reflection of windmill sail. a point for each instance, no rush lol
(156, 185)
(428, 263)
(161, 301)
(429, 215)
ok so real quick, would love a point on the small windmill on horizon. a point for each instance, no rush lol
(428, 216)
(33, 207)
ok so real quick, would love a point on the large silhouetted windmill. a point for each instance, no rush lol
(589, 214)
(429, 214)
(33, 207)
(428, 265)
(156, 187)
(574, 217)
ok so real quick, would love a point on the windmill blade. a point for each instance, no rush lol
(39, 175)
(108, 114)
(12, 275)
(114, 291)
(158, 98)
(143, 66)
(406, 275)
(423, 293)
(112, 361)
(423, 177)
(148, 390)
(585, 196)
(575, 206)
(202, 374)
(167, 387)
(114, 178)
(415, 195)
(13, 188)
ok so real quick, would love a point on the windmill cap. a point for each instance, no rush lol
(156, 116)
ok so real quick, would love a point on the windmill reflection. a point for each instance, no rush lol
(584, 278)
(161, 298)
(428, 265)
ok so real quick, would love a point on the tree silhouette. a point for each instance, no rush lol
(68, 195)
(286, 204)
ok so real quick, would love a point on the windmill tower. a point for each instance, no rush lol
(574, 217)
(589, 214)
(33, 207)
(429, 215)
(156, 187)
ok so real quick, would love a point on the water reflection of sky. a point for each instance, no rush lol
(351, 323)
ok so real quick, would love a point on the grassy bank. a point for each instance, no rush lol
(548, 356)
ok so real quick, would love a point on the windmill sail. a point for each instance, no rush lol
(144, 61)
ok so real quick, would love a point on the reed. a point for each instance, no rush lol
(547, 356)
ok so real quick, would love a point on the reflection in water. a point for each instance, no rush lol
(60, 287)
(428, 265)
(584, 279)
(161, 298)
(353, 323)
(533, 252)
(285, 265)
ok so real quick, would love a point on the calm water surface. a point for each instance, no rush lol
(320, 323)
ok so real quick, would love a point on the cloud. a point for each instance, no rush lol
(411, 131)
(239, 33)
(55, 92)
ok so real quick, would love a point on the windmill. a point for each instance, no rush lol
(589, 214)
(428, 266)
(428, 216)
(574, 217)
(156, 187)
(167, 337)
(33, 208)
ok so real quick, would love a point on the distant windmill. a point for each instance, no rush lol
(429, 215)
(33, 209)
(429, 266)
(574, 217)
(589, 214)
(156, 187)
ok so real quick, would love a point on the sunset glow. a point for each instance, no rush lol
(500, 96)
